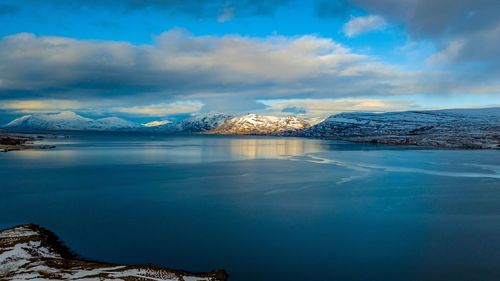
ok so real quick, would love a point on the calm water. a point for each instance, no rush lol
(264, 208)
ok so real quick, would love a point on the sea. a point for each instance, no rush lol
(263, 208)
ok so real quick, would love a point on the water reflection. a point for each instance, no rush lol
(272, 148)
(342, 206)
(173, 149)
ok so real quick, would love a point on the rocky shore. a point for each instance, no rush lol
(30, 252)
(10, 142)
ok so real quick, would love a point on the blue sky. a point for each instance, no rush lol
(160, 59)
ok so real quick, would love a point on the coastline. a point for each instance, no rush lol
(398, 141)
(32, 252)
(13, 142)
(24, 141)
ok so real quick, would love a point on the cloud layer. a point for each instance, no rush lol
(325, 107)
(180, 66)
(222, 10)
(465, 31)
(180, 73)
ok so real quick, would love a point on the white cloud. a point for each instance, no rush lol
(326, 107)
(180, 63)
(163, 109)
(101, 107)
(359, 25)
(226, 14)
(452, 51)
(220, 73)
(40, 106)
(157, 123)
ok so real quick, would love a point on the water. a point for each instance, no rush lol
(264, 208)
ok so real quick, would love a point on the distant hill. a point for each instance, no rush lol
(68, 120)
(469, 128)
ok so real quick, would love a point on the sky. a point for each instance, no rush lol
(147, 60)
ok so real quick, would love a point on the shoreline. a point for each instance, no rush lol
(30, 251)
(15, 142)
(412, 141)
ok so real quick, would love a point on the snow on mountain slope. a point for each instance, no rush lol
(253, 124)
(156, 123)
(197, 123)
(114, 123)
(474, 128)
(68, 120)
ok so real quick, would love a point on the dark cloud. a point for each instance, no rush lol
(335, 8)
(437, 18)
(465, 31)
(179, 65)
(195, 8)
(6, 9)
(294, 110)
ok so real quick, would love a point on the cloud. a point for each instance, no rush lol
(159, 110)
(464, 31)
(40, 106)
(221, 73)
(6, 9)
(226, 14)
(326, 107)
(329, 9)
(156, 123)
(179, 64)
(215, 9)
(99, 107)
(294, 109)
(359, 25)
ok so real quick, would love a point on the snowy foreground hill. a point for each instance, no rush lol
(28, 252)
(465, 128)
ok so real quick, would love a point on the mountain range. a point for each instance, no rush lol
(68, 120)
(469, 128)
(464, 128)
(214, 123)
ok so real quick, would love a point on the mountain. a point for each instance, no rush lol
(459, 128)
(467, 128)
(113, 123)
(197, 123)
(156, 123)
(68, 120)
(252, 124)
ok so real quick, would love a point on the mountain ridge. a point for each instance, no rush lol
(464, 128)
(253, 124)
(67, 120)
(454, 128)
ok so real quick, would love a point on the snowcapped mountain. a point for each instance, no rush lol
(156, 123)
(473, 128)
(253, 124)
(113, 123)
(204, 122)
(465, 128)
(68, 120)
(197, 123)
